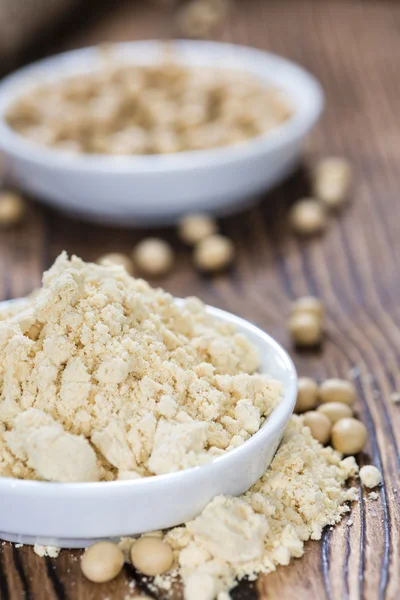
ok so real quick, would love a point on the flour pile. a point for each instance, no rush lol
(103, 377)
(302, 491)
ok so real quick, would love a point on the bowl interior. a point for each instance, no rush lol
(298, 85)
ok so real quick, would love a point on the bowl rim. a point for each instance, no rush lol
(278, 138)
(275, 421)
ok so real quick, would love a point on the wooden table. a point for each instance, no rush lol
(353, 48)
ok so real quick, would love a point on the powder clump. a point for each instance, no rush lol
(103, 377)
(50, 551)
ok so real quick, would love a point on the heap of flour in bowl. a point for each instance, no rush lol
(103, 377)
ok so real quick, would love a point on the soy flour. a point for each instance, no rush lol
(301, 492)
(103, 377)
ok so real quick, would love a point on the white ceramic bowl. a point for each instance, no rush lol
(76, 514)
(145, 190)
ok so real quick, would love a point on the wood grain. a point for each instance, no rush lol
(353, 47)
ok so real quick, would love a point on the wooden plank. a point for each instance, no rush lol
(352, 47)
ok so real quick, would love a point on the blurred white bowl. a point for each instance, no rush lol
(76, 514)
(157, 189)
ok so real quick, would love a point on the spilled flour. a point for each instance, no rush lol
(103, 377)
(302, 491)
(51, 551)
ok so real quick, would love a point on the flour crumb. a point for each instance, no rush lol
(349, 522)
(54, 454)
(370, 476)
(18, 545)
(51, 551)
(395, 397)
(373, 496)
(125, 544)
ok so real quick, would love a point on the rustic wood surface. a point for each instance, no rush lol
(353, 48)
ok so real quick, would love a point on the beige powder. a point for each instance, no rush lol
(162, 108)
(103, 377)
(302, 492)
(51, 551)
